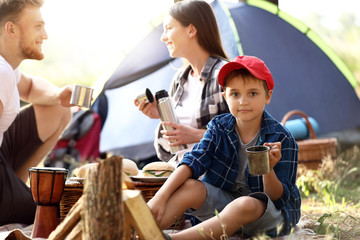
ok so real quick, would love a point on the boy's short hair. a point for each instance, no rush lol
(254, 65)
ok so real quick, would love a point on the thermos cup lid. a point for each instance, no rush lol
(149, 95)
(161, 94)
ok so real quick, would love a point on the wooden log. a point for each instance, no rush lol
(140, 216)
(76, 233)
(65, 227)
(103, 212)
(128, 224)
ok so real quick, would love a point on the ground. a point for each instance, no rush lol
(338, 221)
(331, 195)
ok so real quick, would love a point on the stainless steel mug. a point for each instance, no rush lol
(258, 159)
(167, 114)
(81, 96)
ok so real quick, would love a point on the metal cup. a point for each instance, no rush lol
(258, 159)
(81, 96)
(145, 95)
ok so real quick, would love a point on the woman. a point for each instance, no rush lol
(190, 33)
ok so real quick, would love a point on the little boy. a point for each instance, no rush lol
(252, 204)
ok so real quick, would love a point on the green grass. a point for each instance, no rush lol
(331, 195)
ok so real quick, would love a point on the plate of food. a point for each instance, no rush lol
(129, 167)
(154, 172)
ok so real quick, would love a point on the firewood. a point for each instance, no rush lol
(102, 213)
(65, 227)
(76, 233)
(139, 215)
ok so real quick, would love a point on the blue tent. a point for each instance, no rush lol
(308, 76)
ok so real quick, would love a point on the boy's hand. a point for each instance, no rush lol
(157, 207)
(274, 153)
(272, 185)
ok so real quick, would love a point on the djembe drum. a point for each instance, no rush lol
(47, 186)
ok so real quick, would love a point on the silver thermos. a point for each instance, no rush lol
(167, 114)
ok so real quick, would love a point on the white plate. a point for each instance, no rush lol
(149, 179)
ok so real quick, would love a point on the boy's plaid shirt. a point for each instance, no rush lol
(217, 156)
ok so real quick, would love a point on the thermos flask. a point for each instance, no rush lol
(167, 114)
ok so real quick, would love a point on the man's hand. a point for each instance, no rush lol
(65, 96)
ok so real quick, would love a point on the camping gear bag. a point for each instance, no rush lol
(313, 150)
(79, 143)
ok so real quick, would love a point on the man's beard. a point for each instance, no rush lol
(30, 52)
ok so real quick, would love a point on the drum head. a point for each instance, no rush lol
(47, 169)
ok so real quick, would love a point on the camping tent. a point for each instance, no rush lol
(308, 76)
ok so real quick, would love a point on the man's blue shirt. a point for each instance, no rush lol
(217, 155)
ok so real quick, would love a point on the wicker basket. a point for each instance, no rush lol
(72, 192)
(74, 189)
(148, 190)
(313, 150)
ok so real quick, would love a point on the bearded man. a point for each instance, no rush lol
(29, 133)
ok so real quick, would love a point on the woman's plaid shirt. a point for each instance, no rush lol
(212, 102)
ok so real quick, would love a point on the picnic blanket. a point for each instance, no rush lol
(15, 231)
(302, 231)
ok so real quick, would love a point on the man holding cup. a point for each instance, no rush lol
(29, 133)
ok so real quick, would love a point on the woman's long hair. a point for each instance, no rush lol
(200, 14)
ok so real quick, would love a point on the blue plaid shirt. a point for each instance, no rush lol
(217, 155)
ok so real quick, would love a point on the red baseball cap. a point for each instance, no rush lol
(253, 64)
